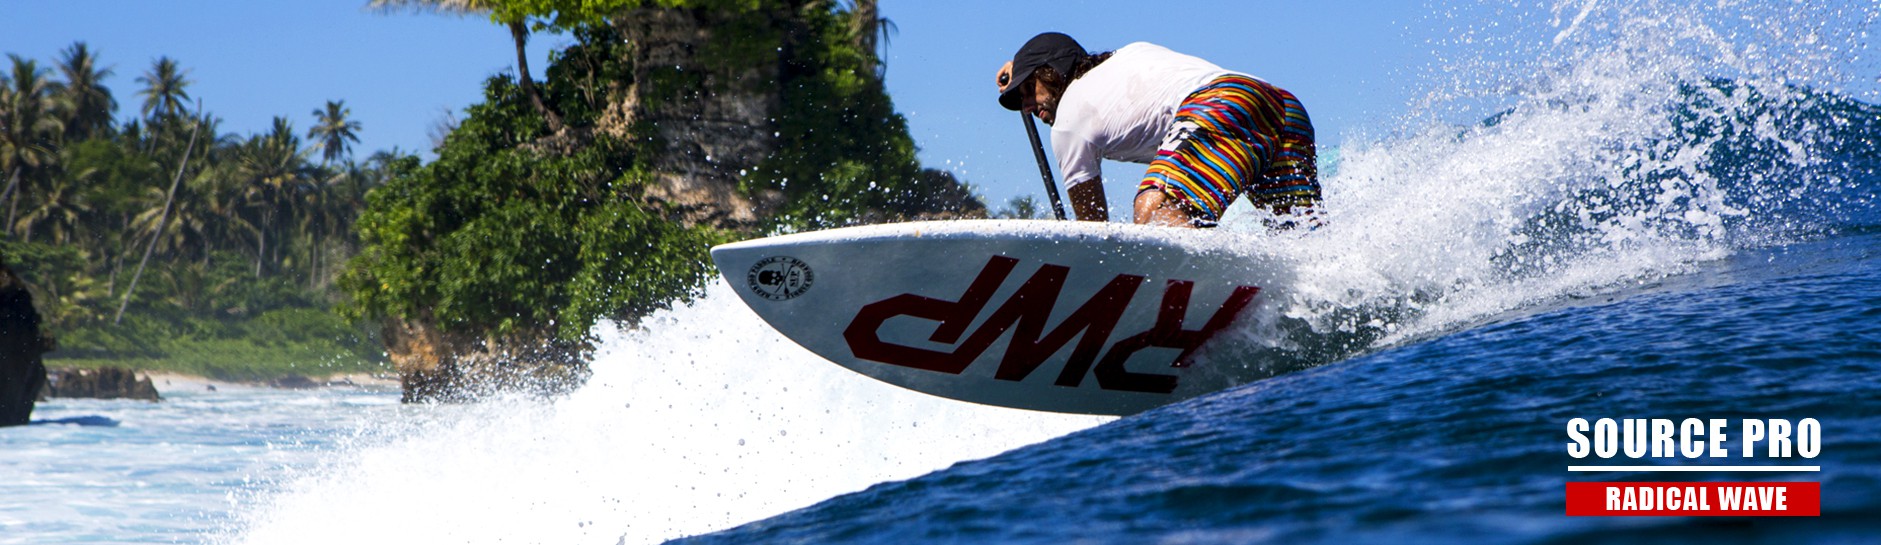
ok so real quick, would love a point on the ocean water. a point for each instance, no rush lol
(121, 471)
(1600, 209)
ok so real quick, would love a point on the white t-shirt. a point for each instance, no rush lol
(1121, 109)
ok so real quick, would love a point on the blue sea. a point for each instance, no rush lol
(123, 471)
(1457, 439)
(1658, 210)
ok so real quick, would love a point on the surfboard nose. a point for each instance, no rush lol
(735, 258)
(724, 255)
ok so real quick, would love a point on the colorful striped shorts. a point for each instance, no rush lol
(1237, 134)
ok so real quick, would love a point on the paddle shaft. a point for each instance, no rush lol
(1044, 169)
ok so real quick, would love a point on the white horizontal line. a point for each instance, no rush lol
(1695, 468)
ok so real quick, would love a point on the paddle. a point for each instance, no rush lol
(1044, 169)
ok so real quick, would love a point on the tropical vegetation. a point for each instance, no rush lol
(159, 238)
(503, 233)
(160, 241)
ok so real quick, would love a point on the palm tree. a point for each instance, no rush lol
(169, 199)
(27, 128)
(334, 131)
(319, 220)
(60, 210)
(185, 228)
(187, 287)
(88, 103)
(223, 192)
(275, 167)
(131, 135)
(349, 193)
(518, 25)
(166, 92)
(1022, 207)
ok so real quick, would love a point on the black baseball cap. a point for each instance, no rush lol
(1049, 49)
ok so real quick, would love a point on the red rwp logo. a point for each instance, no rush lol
(1785, 499)
(1025, 313)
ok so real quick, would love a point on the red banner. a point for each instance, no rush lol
(1710, 499)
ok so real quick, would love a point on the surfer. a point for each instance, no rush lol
(1207, 133)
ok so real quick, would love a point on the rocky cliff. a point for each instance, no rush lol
(713, 121)
(741, 102)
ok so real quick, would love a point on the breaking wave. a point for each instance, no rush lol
(1607, 147)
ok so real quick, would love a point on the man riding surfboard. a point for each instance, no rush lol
(1208, 134)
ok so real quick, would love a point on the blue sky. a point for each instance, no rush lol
(400, 72)
(252, 61)
(1355, 64)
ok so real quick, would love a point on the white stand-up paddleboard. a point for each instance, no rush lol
(1077, 317)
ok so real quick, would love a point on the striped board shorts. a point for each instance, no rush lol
(1237, 134)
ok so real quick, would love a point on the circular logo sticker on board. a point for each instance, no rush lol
(779, 278)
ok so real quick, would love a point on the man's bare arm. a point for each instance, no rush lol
(1087, 199)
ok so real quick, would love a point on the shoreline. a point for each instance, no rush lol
(171, 381)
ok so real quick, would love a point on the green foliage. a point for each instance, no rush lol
(306, 342)
(506, 231)
(559, 14)
(190, 320)
(570, 14)
(510, 228)
(633, 262)
(115, 177)
(582, 77)
(496, 236)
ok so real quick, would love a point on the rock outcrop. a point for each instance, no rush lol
(101, 383)
(715, 119)
(718, 120)
(436, 366)
(22, 372)
(708, 97)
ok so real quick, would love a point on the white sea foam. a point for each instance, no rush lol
(1587, 178)
(701, 419)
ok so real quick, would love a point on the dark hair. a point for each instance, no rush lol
(1050, 77)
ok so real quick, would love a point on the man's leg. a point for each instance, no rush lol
(1289, 185)
(1153, 207)
(1190, 185)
